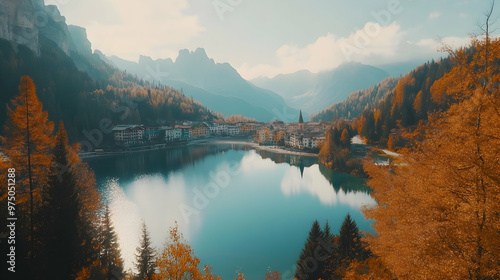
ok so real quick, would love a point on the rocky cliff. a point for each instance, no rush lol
(18, 23)
(24, 21)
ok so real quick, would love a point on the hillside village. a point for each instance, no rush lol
(300, 135)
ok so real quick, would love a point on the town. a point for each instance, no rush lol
(300, 135)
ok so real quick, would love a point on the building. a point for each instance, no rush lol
(128, 135)
(152, 134)
(249, 128)
(172, 134)
(200, 130)
(312, 140)
(217, 129)
(232, 130)
(186, 131)
(264, 135)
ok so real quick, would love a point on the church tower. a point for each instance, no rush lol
(301, 121)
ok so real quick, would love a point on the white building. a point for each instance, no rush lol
(128, 135)
(172, 134)
(232, 130)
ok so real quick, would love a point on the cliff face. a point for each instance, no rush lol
(24, 21)
(17, 23)
(79, 36)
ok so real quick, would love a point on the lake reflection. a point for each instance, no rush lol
(241, 210)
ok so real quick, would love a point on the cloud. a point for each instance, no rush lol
(129, 28)
(434, 15)
(316, 185)
(372, 42)
(452, 42)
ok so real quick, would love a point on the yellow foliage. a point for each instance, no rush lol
(437, 213)
(177, 261)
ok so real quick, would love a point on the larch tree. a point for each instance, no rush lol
(177, 260)
(438, 211)
(145, 257)
(26, 146)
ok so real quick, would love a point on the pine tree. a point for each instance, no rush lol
(308, 265)
(328, 248)
(145, 257)
(61, 214)
(350, 244)
(110, 256)
(70, 213)
(349, 249)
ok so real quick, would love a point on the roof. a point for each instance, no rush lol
(122, 127)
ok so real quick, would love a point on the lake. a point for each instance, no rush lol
(242, 211)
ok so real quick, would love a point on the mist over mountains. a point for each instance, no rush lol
(217, 85)
(315, 92)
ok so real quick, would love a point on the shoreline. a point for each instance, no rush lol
(255, 146)
(279, 150)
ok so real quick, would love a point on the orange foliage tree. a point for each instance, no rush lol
(26, 146)
(177, 261)
(438, 211)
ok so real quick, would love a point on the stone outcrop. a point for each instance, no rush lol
(18, 23)
(24, 22)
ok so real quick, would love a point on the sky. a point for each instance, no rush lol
(270, 37)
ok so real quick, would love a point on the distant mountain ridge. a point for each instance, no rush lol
(217, 85)
(315, 92)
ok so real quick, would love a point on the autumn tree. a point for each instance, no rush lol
(26, 145)
(145, 257)
(178, 261)
(437, 212)
(345, 139)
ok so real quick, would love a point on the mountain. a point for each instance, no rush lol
(315, 92)
(74, 84)
(217, 85)
(357, 102)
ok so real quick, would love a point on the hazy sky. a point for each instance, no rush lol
(267, 37)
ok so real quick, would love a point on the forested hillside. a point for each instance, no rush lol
(357, 102)
(410, 102)
(82, 101)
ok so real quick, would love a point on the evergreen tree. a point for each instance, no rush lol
(60, 228)
(69, 214)
(145, 257)
(350, 245)
(110, 256)
(308, 265)
(348, 249)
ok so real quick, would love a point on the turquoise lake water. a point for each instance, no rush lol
(241, 210)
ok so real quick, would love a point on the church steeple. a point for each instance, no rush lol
(301, 121)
